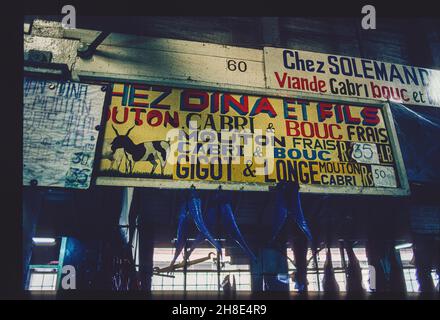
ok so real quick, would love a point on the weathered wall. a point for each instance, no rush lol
(405, 41)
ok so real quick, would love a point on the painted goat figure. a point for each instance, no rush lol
(145, 151)
(116, 158)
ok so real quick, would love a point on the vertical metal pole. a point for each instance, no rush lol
(344, 263)
(315, 261)
(218, 251)
(218, 256)
(185, 268)
(218, 272)
(61, 260)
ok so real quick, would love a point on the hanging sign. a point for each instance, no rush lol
(171, 136)
(321, 73)
(59, 132)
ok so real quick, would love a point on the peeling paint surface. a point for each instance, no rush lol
(63, 50)
(45, 28)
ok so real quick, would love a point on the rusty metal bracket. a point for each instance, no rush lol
(86, 51)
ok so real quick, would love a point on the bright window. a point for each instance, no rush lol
(43, 279)
(202, 276)
(409, 271)
(339, 271)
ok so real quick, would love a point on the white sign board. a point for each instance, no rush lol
(174, 61)
(384, 176)
(365, 153)
(59, 132)
(320, 73)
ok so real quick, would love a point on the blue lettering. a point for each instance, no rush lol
(395, 74)
(380, 70)
(332, 61)
(286, 63)
(366, 68)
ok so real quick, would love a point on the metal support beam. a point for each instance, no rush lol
(86, 51)
(146, 249)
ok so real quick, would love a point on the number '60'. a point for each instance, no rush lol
(233, 65)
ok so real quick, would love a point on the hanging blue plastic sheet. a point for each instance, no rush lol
(210, 221)
(418, 130)
(191, 208)
(288, 202)
(182, 231)
(195, 210)
(228, 220)
(220, 210)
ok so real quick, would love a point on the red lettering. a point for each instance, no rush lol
(292, 128)
(310, 130)
(115, 112)
(263, 105)
(349, 119)
(332, 134)
(370, 116)
(241, 106)
(283, 81)
(324, 111)
(190, 95)
(154, 118)
(173, 121)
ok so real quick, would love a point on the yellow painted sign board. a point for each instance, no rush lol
(175, 135)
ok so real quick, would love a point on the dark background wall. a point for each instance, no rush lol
(399, 40)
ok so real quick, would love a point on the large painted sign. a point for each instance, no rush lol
(321, 73)
(59, 132)
(176, 135)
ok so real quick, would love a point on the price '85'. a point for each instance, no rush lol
(364, 152)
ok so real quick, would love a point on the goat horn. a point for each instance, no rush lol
(117, 133)
(128, 132)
